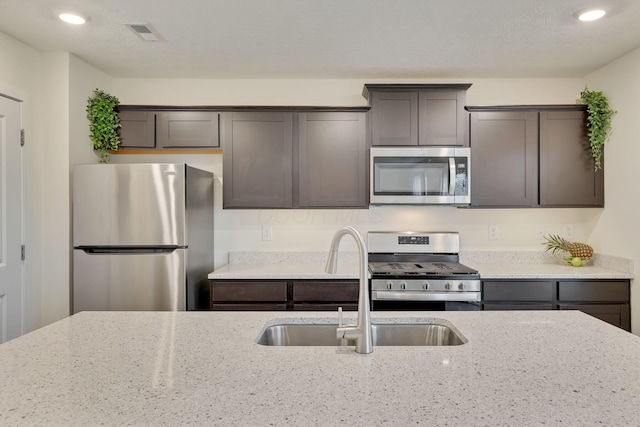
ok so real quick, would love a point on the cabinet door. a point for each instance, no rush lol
(332, 160)
(615, 314)
(138, 129)
(257, 160)
(187, 129)
(504, 158)
(567, 175)
(442, 118)
(394, 117)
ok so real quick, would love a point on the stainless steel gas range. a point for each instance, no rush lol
(420, 271)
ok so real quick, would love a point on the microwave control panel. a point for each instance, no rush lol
(462, 176)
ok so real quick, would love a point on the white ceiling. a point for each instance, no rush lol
(332, 38)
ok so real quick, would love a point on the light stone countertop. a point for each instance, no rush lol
(284, 271)
(518, 368)
(350, 271)
(545, 271)
(490, 265)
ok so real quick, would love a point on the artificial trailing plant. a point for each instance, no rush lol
(598, 122)
(103, 123)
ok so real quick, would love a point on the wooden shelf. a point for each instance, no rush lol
(166, 151)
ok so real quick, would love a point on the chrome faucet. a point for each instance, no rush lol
(361, 332)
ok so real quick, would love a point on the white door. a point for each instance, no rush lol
(11, 275)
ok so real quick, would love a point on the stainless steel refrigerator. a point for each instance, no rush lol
(142, 237)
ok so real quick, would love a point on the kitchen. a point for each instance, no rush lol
(56, 85)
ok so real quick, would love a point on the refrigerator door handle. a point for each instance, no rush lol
(92, 250)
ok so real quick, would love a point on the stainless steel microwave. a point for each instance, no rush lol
(420, 175)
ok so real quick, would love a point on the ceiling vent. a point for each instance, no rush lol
(145, 32)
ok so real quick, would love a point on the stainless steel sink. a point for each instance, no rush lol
(407, 334)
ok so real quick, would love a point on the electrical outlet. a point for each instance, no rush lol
(540, 232)
(267, 232)
(567, 231)
(494, 232)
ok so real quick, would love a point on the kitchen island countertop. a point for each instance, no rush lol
(205, 368)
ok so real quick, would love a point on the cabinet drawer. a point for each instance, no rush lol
(321, 291)
(521, 306)
(248, 292)
(518, 291)
(248, 307)
(324, 307)
(594, 291)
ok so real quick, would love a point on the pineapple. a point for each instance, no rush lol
(581, 250)
(556, 243)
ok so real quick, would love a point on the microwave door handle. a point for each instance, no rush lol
(452, 176)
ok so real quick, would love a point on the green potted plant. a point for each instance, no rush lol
(103, 123)
(599, 117)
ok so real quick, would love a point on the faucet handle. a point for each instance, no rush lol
(339, 317)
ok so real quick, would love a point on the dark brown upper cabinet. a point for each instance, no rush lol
(138, 129)
(155, 128)
(332, 160)
(257, 160)
(504, 158)
(417, 114)
(532, 156)
(310, 159)
(567, 168)
(187, 129)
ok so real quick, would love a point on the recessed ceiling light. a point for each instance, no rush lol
(73, 18)
(591, 15)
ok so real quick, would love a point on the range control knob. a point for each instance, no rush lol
(447, 286)
(389, 285)
(425, 285)
(403, 285)
(461, 286)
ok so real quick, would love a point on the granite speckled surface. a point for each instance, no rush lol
(205, 368)
(284, 271)
(490, 264)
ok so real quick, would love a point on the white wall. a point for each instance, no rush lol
(55, 189)
(238, 230)
(83, 80)
(617, 231)
(330, 92)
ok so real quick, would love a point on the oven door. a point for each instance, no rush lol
(424, 301)
(410, 175)
(398, 305)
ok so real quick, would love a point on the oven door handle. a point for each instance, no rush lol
(425, 296)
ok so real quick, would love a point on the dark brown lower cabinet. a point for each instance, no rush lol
(299, 295)
(616, 314)
(248, 295)
(517, 306)
(608, 300)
